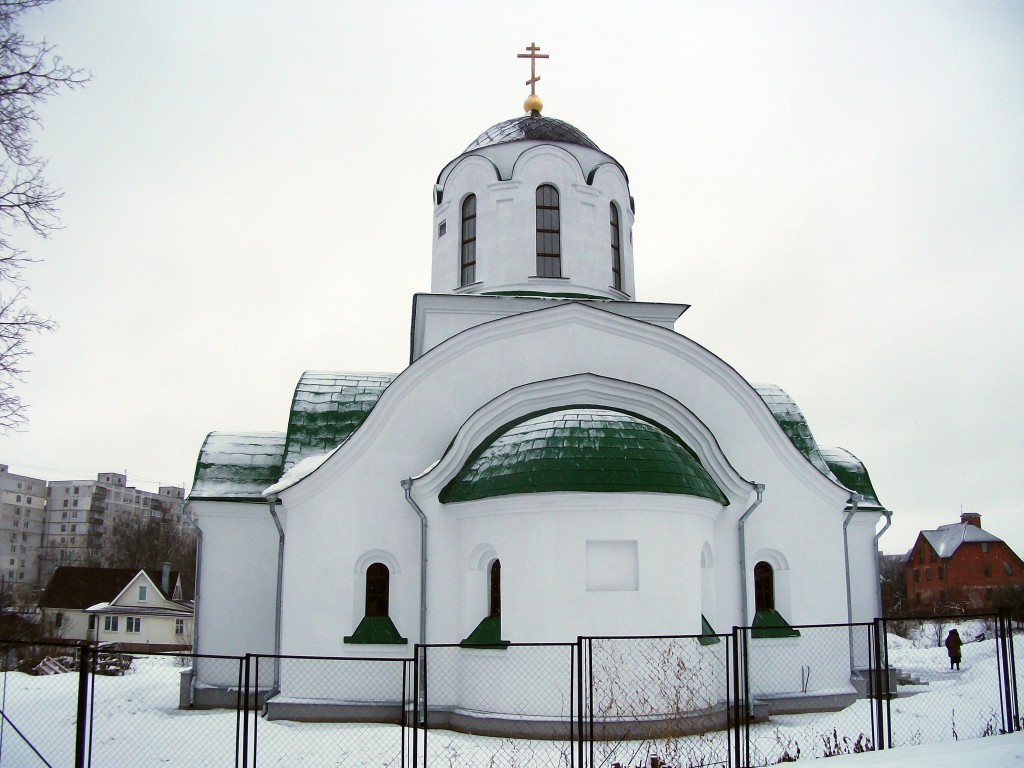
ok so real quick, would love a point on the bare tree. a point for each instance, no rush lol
(30, 73)
(138, 542)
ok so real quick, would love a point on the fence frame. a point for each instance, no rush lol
(415, 720)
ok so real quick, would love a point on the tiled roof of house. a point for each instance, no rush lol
(78, 588)
(946, 539)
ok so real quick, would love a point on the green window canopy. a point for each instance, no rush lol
(708, 636)
(771, 624)
(376, 630)
(585, 449)
(486, 635)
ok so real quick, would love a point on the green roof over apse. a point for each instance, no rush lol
(327, 407)
(581, 449)
(851, 472)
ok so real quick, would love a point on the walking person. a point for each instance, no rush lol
(953, 643)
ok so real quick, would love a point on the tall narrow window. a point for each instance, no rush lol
(468, 242)
(549, 238)
(495, 592)
(616, 248)
(764, 587)
(378, 580)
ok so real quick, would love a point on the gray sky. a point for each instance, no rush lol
(837, 189)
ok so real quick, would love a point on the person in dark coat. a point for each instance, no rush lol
(953, 643)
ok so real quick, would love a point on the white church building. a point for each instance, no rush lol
(555, 461)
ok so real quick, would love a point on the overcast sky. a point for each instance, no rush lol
(836, 188)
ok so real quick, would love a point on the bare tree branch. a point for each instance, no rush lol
(30, 73)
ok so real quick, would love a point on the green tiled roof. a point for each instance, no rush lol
(794, 424)
(327, 407)
(581, 449)
(851, 472)
(237, 465)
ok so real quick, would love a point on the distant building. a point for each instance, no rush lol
(958, 567)
(83, 513)
(22, 518)
(44, 525)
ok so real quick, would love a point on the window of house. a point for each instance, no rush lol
(616, 247)
(942, 572)
(133, 624)
(934, 556)
(59, 620)
(467, 249)
(18, 499)
(74, 503)
(988, 571)
(442, 229)
(179, 626)
(376, 626)
(110, 623)
(142, 594)
(549, 238)
(92, 622)
(928, 574)
(917, 575)
(984, 546)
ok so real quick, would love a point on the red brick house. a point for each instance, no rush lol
(958, 567)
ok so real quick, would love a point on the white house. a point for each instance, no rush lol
(137, 611)
(555, 461)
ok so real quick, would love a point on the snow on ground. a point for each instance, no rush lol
(137, 723)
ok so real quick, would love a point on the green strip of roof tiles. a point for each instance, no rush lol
(582, 449)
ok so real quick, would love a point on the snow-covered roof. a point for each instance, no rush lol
(327, 407)
(946, 539)
(852, 473)
(794, 424)
(237, 465)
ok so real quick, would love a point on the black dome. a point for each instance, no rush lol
(530, 127)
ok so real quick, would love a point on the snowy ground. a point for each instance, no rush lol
(137, 723)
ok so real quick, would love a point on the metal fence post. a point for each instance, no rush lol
(85, 657)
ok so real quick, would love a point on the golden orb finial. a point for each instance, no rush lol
(533, 104)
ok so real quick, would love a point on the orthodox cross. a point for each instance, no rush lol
(533, 55)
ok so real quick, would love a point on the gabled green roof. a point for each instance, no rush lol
(327, 407)
(794, 424)
(581, 449)
(237, 465)
(851, 472)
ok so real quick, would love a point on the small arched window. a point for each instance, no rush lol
(467, 242)
(616, 239)
(549, 228)
(495, 589)
(378, 582)
(764, 587)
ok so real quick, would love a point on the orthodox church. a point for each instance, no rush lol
(556, 460)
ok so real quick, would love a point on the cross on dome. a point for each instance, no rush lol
(533, 104)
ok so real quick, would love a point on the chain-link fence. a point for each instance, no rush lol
(809, 692)
(955, 677)
(661, 698)
(330, 711)
(508, 706)
(744, 699)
